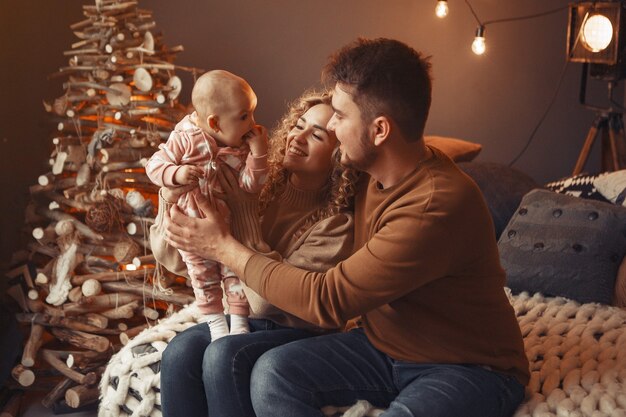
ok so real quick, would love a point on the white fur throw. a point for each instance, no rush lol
(577, 357)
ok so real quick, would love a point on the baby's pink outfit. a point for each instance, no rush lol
(188, 144)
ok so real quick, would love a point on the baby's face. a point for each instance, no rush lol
(236, 121)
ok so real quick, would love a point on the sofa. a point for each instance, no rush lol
(562, 246)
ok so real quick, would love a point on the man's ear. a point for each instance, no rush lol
(214, 122)
(381, 127)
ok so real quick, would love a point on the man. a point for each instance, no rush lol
(432, 332)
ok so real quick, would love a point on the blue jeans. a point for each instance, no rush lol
(199, 379)
(299, 378)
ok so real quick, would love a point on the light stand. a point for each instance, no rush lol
(610, 124)
(596, 37)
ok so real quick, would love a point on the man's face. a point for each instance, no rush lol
(357, 148)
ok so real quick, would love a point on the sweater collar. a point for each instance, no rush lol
(302, 198)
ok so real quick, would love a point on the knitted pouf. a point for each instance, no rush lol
(577, 357)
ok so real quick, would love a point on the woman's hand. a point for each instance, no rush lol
(232, 193)
(244, 208)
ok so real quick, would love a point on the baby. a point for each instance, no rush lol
(220, 134)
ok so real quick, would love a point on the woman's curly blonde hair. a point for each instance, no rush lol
(341, 181)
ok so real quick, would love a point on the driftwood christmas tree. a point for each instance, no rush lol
(87, 281)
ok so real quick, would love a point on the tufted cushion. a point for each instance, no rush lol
(582, 185)
(458, 150)
(502, 186)
(564, 246)
(612, 186)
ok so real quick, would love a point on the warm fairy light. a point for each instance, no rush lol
(597, 33)
(441, 10)
(479, 46)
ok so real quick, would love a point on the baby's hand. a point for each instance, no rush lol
(188, 174)
(258, 140)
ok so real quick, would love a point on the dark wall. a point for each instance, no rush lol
(280, 46)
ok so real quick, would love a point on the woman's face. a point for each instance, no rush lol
(310, 145)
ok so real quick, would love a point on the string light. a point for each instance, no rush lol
(441, 10)
(479, 46)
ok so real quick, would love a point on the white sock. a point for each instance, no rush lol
(238, 324)
(218, 325)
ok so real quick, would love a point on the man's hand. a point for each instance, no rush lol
(258, 141)
(208, 237)
(188, 174)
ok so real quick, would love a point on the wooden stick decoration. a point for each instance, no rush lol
(52, 358)
(32, 345)
(111, 276)
(81, 395)
(148, 291)
(24, 376)
(57, 392)
(82, 339)
(13, 405)
(126, 311)
(98, 303)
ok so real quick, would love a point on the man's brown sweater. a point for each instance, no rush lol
(425, 280)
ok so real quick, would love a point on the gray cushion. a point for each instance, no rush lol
(561, 245)
(502, 186)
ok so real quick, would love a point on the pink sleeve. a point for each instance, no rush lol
(253, 175)
(164, 163)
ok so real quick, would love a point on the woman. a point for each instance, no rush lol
(304, 205)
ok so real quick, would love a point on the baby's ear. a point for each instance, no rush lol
(213, 122)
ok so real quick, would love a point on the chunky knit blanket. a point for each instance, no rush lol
(577, 355)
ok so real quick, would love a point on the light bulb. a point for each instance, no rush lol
(442, 8)
(478, 46)
(597, 33)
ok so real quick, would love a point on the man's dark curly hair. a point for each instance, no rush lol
(386, 77)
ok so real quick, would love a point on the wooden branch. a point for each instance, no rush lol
(127, 335)
(57, 184)
(149, 292)
(150, 313)
(126, 311)
(98, 303)
(57, 392)
(91, 287)
(12, 406)
(93, 319)
(54, 361)
(75, 294)
(82, 339)
(144, 260)
(120, 166)
(23, 375)
(32, 345)
(125, 154)
(82, 228)
(66, 201)
(111, 276)
(81, 395)
(37, 306)
(70, 323)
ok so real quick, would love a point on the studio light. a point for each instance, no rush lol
(595, 37)
(595, 33)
